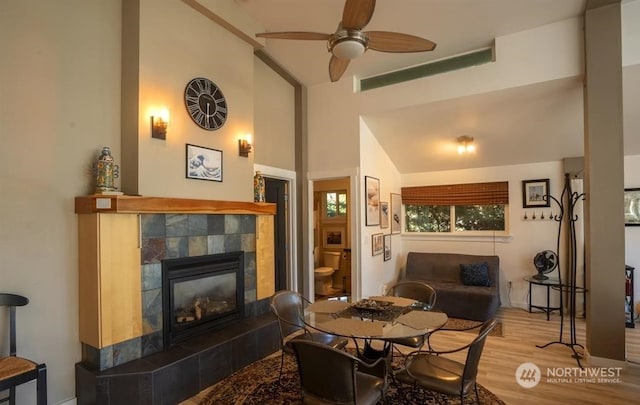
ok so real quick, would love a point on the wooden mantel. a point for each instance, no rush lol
(124, 204)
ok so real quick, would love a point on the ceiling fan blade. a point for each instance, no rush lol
(294, 35)
(384, 41)
(357, 13)
(337, 66)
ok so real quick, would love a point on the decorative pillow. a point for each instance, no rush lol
(475, 274)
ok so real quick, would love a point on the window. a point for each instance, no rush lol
(444, 218)
(335, 204)
(456, 208)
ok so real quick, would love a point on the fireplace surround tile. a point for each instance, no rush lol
(152, 310)
(177, 225)
(232, 242)
(215, 224)
(153, 226)
(151, 276)
(153, 250)
(177, 247)
(126, 351)
(151, 343)
(198, 224)
(215, 244)
(197, 245)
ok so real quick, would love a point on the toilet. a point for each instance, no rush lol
(323, 281)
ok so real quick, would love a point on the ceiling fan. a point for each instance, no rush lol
(349, 41)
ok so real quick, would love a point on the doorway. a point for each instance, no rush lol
(276, 191)
(331, 238)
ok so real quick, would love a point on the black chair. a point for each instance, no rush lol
(16, 370)
(429, 370)
(332, 376)
(420, 292)
(288, 306)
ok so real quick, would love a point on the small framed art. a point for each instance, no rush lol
(204, 163)
(534, 193)
(396, 213)
(632, 206)
(387, 247)
(372, 197)
(377, 244)
(333, 237)
(384, 214)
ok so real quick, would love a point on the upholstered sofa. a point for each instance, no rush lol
(470, 294)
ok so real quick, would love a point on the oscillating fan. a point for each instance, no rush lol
(545, 262)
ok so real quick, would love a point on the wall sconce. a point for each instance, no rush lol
(159, 122)
(244, 146)
(465, 144)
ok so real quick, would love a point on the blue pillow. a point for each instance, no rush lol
(475, 274)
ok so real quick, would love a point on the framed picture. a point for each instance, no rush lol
(387, 247)
(372, 197)
(333, 237)
(534, 193)
(204, 163)
(632, 206)
(377, 244)
(384, 214)
(396, 213)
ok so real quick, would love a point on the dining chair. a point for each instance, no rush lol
(14, 370)
(420, 292)
(332, 376)
(430, 370)
(288, 306)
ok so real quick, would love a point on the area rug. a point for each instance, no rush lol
(462, 324)
(257, 384)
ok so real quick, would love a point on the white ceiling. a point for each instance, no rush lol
(529, 124)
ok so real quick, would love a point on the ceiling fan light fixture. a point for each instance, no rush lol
(348, 44)
(348, 49)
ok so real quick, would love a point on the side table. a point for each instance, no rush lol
(548, 283)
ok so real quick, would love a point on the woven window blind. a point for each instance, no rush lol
(458, 194)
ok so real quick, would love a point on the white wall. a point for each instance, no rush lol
(274, 119)
(172, 31)
(60, 103)
(376, 163)
(333, 127)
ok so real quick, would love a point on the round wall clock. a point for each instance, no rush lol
(205, 103)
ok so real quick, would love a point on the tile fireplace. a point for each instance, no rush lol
(144, 344)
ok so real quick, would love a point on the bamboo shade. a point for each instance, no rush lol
(458, 194)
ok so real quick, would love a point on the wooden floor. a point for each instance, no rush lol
(522, 332)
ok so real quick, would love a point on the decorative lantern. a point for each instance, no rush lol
(105, 170)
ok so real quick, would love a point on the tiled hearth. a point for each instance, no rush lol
(139, 370)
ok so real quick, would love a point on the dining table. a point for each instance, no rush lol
(376, 318)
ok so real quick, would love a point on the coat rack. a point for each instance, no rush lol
(569, 219)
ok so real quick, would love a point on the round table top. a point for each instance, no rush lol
(396, 317)
(549, 281)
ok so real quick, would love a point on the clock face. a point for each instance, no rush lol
(205, 103)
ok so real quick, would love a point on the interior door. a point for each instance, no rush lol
(276, 192)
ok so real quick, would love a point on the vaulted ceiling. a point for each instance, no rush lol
(541, 122)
